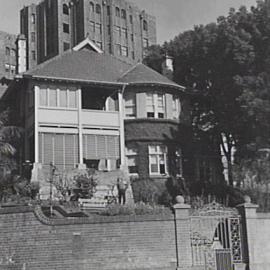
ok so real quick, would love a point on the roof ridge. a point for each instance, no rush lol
(129, 70)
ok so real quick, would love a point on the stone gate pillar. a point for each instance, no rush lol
(182, 234)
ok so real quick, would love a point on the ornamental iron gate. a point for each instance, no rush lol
(215, 233)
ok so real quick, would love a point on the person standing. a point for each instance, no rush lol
(122, 188)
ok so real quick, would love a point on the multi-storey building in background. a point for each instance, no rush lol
(7, 57)
(116, 26)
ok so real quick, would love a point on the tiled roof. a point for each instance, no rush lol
(140, 73)
(87, 65)
(82, 65)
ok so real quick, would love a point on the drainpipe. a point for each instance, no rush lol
(122, 128)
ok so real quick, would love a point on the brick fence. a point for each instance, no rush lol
(29, 240)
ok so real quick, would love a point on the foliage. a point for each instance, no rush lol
(134, 209)
(155, 56)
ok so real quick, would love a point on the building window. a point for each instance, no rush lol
(131, 19)
(65, 9)
(145, 25)
(124, 32)
(130, 105)
(72, 99)
(118, 32)
(98, 28)
(66, 46)
(92, 26)
(98, 9)
(7, 51)
(65, 28)
(178, 162)
(145, 43)
(33, 18)
(99, 44)
(92, 7)
(118, 49)
(108, 30)
(43, 97)
(108, 10)
(157, 159)
(132, 37)
(63, 98)
(13, 53)
(124, 51)
(123, 14)
(33, 37)
(176, 107)
(33, 55)
(155, 105)
(132, 155)
(133, 55)
(7, 67)
(117, 12)
(12, 69)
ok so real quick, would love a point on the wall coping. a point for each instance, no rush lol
(94, 219)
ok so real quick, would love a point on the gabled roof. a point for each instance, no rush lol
(84, 65)
(87, 43)
(141, 74)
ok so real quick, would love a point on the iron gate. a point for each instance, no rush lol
(215, 233)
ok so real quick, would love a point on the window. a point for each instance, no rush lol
(65, 28)
(7, 51)
(178, 162)
(118, 31)
(72, 99)
(145, 43)
(98, 9)
(145, 25)
(92, 26)
(130, 105)
(117, 12)
(124, 51)
(92, 7)
(157, 159)
(33, 37)
(132, 37)
(7, 67)
(131, 155)
(98, 28)
(108, 10)
(99, 44)
(123, 14)
(176, 107)
(33, 18)
(133, 54)
(12, 69)
(118, 49)
(63, 98)
(53, 97)
(43, 97)
(155, 105)
(130, 19)
(109, 30)
(65, 9)
(66, 46)
(124, 32)
(33, 55)
(13, 53)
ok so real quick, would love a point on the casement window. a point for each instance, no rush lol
(155, 105)
(145, 25)
(157, 159)
(65, 9)
(176, 107)
(65, 28)
(130, 105)
(62, 98)
(92, 7)
(117, 12)
(132, 156)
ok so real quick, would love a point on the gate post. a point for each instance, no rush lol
(182, 234)
(247, 211)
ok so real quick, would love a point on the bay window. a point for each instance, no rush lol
(155, 105)
(157, 159)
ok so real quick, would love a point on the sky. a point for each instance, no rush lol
(173, 16)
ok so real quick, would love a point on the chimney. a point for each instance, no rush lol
(167, 67)
(21, 53)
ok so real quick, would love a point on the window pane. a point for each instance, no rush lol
(53, 97)
(153, 149)
(43, 97)
(63, 98)
(72, 99)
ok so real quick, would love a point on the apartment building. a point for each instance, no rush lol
(115, 26)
